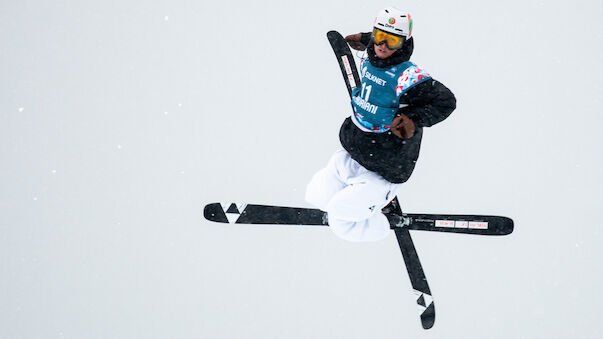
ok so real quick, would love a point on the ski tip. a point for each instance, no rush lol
(428, 317)
(215, 212)
(334, 35)
(507, 226)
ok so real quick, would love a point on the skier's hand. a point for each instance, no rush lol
(354, 40)
(403, 127)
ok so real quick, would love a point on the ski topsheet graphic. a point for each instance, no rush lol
(347, 65)
(234, 213)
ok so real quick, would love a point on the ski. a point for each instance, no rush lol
(233, 213)
(414, 268)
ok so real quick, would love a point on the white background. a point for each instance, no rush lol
(120, 119)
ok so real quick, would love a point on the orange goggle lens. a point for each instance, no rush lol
(391, 41)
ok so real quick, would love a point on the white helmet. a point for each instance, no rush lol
(394, 21)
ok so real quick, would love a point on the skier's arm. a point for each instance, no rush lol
(428, 103)
(359, 41)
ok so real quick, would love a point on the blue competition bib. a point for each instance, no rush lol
(376, 102)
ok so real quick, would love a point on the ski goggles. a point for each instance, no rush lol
(392, 42)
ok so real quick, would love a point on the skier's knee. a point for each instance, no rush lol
(372, 229)
(341, 228)
(349, 210)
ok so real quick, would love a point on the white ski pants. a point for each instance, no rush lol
(353, 198)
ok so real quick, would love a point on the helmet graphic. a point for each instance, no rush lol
(394, 21)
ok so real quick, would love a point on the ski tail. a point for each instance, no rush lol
(234, 213)
(424, 300)
(415, 271)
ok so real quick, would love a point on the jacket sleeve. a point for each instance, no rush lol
(428, 103)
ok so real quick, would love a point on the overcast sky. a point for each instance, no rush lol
(119, 120)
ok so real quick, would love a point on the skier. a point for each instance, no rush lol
(382, 137)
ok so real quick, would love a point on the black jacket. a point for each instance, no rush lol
(384, 153)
